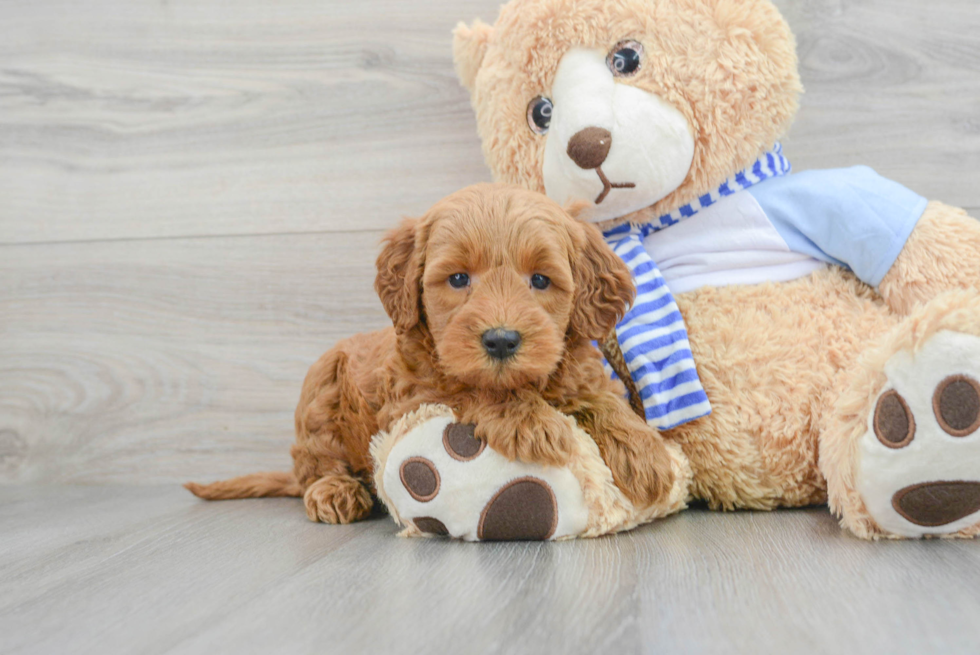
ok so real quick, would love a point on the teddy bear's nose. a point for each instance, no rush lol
(590, 147)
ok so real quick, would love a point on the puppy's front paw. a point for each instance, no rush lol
(543, 439)
(337, 499)
(643, 474)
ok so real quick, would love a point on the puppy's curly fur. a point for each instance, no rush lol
(499, 237)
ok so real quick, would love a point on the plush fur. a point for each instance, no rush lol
(500, 237)
(792, 370)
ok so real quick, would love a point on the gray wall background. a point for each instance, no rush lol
(191, 195)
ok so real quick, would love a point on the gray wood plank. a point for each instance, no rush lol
(187, 118)
(893, 85)
(116, 570)
(153, 570)
(162, 359)
(194, 118)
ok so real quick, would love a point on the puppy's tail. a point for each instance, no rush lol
(256, 485)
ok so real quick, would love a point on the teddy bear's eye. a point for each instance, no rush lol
(625, 58)
(539, 115)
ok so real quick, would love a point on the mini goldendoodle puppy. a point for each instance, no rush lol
(496, 295)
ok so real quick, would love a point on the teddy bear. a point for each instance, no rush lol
(804, 338)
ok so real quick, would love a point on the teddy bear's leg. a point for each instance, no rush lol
(901, 454)
(436, 478)
(942, 254)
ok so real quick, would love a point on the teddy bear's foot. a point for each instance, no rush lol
(916, 467)
(437, 479)
(920, 457)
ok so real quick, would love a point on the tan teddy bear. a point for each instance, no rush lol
(827, 345)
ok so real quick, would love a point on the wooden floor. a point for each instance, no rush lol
(117, 569)
(191, 196)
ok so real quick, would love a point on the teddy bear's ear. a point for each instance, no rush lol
(469, 48)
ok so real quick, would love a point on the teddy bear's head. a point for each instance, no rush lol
(638, 106)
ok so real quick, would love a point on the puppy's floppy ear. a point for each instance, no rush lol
(469, 48)
(603, 287)
(399, 275)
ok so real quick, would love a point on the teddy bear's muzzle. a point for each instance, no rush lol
(589, 149)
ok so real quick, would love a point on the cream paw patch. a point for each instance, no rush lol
(919, 466)
(445, 482)
(438, 479)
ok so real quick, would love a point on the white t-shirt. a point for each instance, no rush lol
(788, 227)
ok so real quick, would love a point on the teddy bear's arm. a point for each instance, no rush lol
(942, 253)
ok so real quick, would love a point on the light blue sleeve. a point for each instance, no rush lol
(847, 216)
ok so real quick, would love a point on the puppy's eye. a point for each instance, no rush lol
(539, 115)
(539, 281)
(459, 280)
(625, 58)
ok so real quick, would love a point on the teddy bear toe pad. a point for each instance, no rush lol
(444, 481)
(919, 469)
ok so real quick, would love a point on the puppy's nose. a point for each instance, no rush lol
(590, 147)
(501, 344)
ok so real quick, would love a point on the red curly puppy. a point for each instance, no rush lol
(495, 295)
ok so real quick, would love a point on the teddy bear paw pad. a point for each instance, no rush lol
(919, 468)
(524, 509)
(446, 482)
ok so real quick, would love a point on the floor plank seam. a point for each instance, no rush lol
(189, 237)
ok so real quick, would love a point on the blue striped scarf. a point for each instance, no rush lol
(652, 335)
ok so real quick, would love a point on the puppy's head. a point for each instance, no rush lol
(502, 279)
